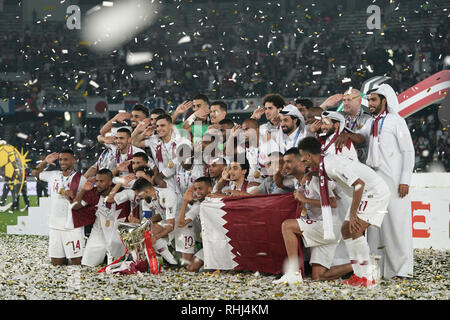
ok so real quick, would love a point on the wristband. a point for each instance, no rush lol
(191, 119)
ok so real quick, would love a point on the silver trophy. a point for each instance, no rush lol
(132, 235)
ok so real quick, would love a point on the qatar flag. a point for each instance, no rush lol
(244, 233)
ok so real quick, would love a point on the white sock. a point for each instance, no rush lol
(352, 254)
(291, 265)
(363, 257)
(161, 248)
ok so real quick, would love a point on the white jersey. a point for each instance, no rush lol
(60, 217)
(268, 128)
(165, 204)
(194, 212)
(184, 178)
(258, 158)
(312, 191)
(129, 195)
(345, 171)
(165, 154)
(232, 186)
(345, 151)
(113, 158)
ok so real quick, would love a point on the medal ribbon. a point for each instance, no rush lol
(295, 139)
(159, 147)
(153, 264)
(324, 194)
(66, 180)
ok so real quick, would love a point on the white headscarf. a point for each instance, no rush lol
(335, 116)
(391, 97)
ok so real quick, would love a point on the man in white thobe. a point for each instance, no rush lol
(391, 154)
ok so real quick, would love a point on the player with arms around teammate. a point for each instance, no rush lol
(370, 198)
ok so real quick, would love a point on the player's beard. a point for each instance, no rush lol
(121, 147)
(374, 111)
(287, 130)
(329, 133)
(148, 199)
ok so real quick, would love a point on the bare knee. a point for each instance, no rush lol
(317, 271)
(290, 226)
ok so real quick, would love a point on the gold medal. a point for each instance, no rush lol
(62, 191)
(170, 164)
(107, 223)
(304, 212)
(257, 174)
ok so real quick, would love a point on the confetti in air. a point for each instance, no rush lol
(185, 39)
(134, 58)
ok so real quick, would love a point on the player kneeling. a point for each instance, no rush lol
(163, 203)
(186, 220)
(370, 198)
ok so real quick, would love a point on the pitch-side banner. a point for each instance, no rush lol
(244, 233)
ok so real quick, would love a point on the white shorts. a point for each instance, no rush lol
(95, 250)
(312, 232)
(66, 243)
(372, 211)
(322, 251)
(323, 255)
(185, 239)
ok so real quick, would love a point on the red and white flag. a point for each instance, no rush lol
(97, 108)
(432, 90)
(244, 233)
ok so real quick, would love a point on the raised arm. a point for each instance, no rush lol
(140, 133)
(120, 117)
(92, 171)
(88, 185)
(50, 159)
(181, 109)
(188, 197)
(331, 101)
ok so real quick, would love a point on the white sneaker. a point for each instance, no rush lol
(161, 248)
(5, 208)
(168, 257)
(290, 278)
